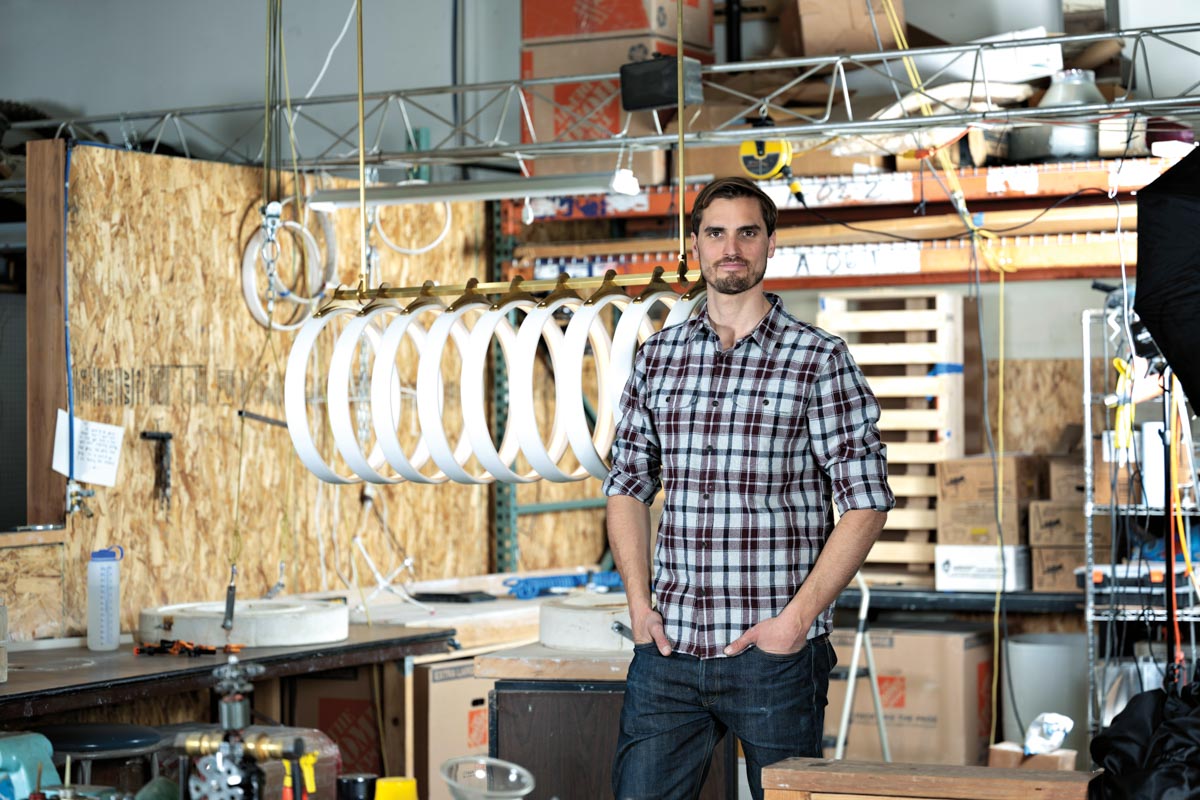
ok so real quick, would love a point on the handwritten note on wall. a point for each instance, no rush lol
(97, 450)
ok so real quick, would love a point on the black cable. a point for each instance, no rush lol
(799, 195)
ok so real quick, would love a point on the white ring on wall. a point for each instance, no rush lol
(429, 394)
(341, 363)
(404, 324)
(295, 401)
(250, 259)
(544, 460)
(590, 447)
(498, 461)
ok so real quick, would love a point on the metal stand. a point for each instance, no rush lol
(862, 639)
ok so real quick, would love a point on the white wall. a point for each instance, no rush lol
(1173, 70)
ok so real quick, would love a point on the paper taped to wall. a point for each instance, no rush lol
(97, 450)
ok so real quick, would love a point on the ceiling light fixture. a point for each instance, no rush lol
(515, 189)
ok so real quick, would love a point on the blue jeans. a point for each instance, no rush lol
(678, 707)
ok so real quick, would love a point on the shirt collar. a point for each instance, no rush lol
(767, 332)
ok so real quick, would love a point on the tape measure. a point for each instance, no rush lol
(762, 160)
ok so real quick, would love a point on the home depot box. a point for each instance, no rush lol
(546, 21)
(1054, 568)
(450, 706)
(977, 568)
(819, 27)
(591, 110)
(1055, 523)
(935, 685)
(973, 479)
(340, 704)
(722, 161)
(975, 523)
(1066, 478)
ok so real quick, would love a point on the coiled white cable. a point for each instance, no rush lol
(494, 324)
(321, 281)
(543, 459)
(414, 251)
(589, 446)
(341, 420)
(404, 324)
(295, 399)
(430, 396)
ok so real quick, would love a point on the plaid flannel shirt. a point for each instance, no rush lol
(751, 444)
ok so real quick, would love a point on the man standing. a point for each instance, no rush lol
(753, 422)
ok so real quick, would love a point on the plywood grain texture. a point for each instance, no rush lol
(162, 341)
(1041, 397)
(31, 588)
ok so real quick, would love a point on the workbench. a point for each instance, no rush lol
(48, 681)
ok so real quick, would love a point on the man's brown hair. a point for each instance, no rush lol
(731, 189)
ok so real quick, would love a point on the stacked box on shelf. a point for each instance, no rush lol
(910, 345)
(982, 503)
(590, 37)
(1058, 529)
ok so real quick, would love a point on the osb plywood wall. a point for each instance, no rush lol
(162, 341)
(1041, 398)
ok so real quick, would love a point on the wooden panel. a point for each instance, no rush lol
(1035, 427)
(163, 341)
(923, 780)
(913, 485)
(901, 553)
(901, 419)
(912, 519)
(31, 587)
(45, 353)
(538, 662)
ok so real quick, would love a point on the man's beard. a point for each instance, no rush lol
(735, 284)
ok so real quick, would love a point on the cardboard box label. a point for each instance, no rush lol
(477, 728)
(351, 723)
(891, 690)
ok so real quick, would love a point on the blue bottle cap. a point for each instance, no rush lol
(113, 553)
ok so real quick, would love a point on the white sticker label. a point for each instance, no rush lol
(837, 190)
(1002, 180)
(849, 259)
(97, 450)
(1133, 173)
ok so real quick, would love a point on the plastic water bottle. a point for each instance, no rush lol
(104, 598)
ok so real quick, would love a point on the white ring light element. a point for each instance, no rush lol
(382, 375)
(430, 395)
(295, 402)
(250, 259)
(590, 448)
(494, 323)
(341, 363)
(545, 460)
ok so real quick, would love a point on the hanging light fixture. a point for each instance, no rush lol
(514, 189)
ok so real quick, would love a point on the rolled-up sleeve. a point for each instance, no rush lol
(636, 469)
(843, 421)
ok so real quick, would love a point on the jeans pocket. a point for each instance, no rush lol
(783, 657)
(645, 647)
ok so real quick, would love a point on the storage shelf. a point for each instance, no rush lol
(925, 600)
(845, 191)
(1139, 614)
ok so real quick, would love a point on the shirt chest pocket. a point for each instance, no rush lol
(674, 407)
(771, 422)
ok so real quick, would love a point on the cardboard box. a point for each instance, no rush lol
(935, 686)
(591, 110)
(451, 713)
(976, 568)
(1066, 477)
(972, 479)
(1129, 487)
(1054, 568)
(339, 704)
(723, 160)
(1010, 755)
(544, 21)
(819, 27)
(975, 523)
(1054, 523)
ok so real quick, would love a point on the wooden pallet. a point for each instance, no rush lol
(910, 345)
